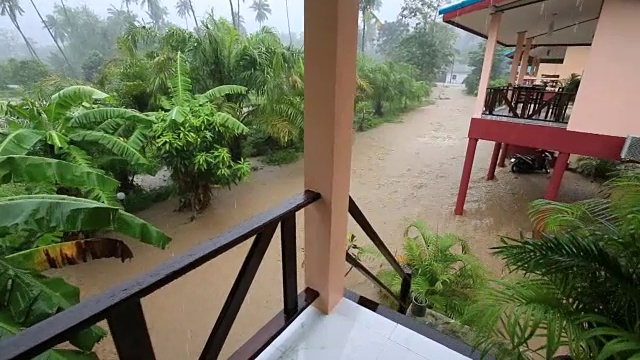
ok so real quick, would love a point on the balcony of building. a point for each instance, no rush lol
(356, 328)
(552, 39)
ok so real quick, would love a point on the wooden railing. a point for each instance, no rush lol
(121, 306)
(528, 103)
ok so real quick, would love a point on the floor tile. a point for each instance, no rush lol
(424, 346)
(366, 317)
(394, 351)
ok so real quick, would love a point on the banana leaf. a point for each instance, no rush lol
(71, 97)
(31, 298)
(57, 256)
(51, 213)
(33, 169)
(116, 145)
(94, 117)
(8, 328)
(20, 142)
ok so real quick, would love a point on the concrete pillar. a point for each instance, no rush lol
(330, 44)
(466, 175)
(524, 64)
(503, 155)
(517, 55)
(556, 176)
(491, 174)
(494, 26)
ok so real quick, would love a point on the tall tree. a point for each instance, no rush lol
(185, 9)
(127, 4)
(53, 37)
(233, 14)
(262, 10)
(367, 8)
(286, 5)
(12, 9)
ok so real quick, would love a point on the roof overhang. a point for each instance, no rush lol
(548, 22)
(546, 54)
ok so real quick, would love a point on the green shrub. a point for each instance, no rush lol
(281, 157)
(140, 199)
(597, 169)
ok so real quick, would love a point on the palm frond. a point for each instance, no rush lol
(114, 144)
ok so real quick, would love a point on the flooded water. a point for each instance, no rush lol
(400, 172)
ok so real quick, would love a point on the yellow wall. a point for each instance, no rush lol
(574, 62)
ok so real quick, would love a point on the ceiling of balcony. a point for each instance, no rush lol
(549, 22)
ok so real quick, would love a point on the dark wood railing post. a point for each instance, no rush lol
(405, 290)
(129, 331)
(289, 265)
(237, 294)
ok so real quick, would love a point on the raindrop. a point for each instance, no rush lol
(542, 8)
(579, 4)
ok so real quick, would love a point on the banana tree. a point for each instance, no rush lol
(39, 220)
(72, 127)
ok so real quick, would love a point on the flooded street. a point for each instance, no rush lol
(400, 172)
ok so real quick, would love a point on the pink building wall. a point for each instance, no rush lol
(609, 94)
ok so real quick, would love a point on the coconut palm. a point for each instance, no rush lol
(576, 286)
(128, 3)
(53, 37)
(12, 9)
(262, 10)
(286, 5)
(367, 8)
(185, 9)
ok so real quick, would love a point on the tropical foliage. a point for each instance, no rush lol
(191, 139)
(446, 275)
(575, 288)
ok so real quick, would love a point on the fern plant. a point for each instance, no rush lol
(193, 136)
(445, 273)
(576, 288)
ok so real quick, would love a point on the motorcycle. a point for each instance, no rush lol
(540, 161)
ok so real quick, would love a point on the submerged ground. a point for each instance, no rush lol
(400, 172)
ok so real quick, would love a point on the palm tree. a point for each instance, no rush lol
(262, 10)
(185, 9)
(577, 285)
(157, 14)
(53, 37)
(286, 5)
(233, 13)
(127, 4)
(12, 9)
(367, 7)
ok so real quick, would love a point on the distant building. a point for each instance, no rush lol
(457, 73)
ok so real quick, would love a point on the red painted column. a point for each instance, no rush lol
(503, 155)
(494, 161)
(556, 177)
(466, 175)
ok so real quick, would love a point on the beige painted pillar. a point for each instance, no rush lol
(524, 64)
(330, 43)
(492, 39)
(536, 67)
(517, 55)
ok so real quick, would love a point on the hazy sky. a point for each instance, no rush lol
(278, 19)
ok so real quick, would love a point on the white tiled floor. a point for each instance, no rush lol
(355, 333)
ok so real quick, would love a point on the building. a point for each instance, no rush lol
(457, 73)
(318, 320)
(595, 121)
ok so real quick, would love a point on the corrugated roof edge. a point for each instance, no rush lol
(457, 6)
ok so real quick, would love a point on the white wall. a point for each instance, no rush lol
(459, 78)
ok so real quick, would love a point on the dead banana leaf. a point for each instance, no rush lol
(69, 253)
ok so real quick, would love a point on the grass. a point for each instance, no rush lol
(391, 115)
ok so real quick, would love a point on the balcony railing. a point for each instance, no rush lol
(121, 306)
(532, 103)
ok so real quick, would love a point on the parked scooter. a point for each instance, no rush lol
(540, 161)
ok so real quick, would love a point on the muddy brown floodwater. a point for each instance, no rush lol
(400, 172)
